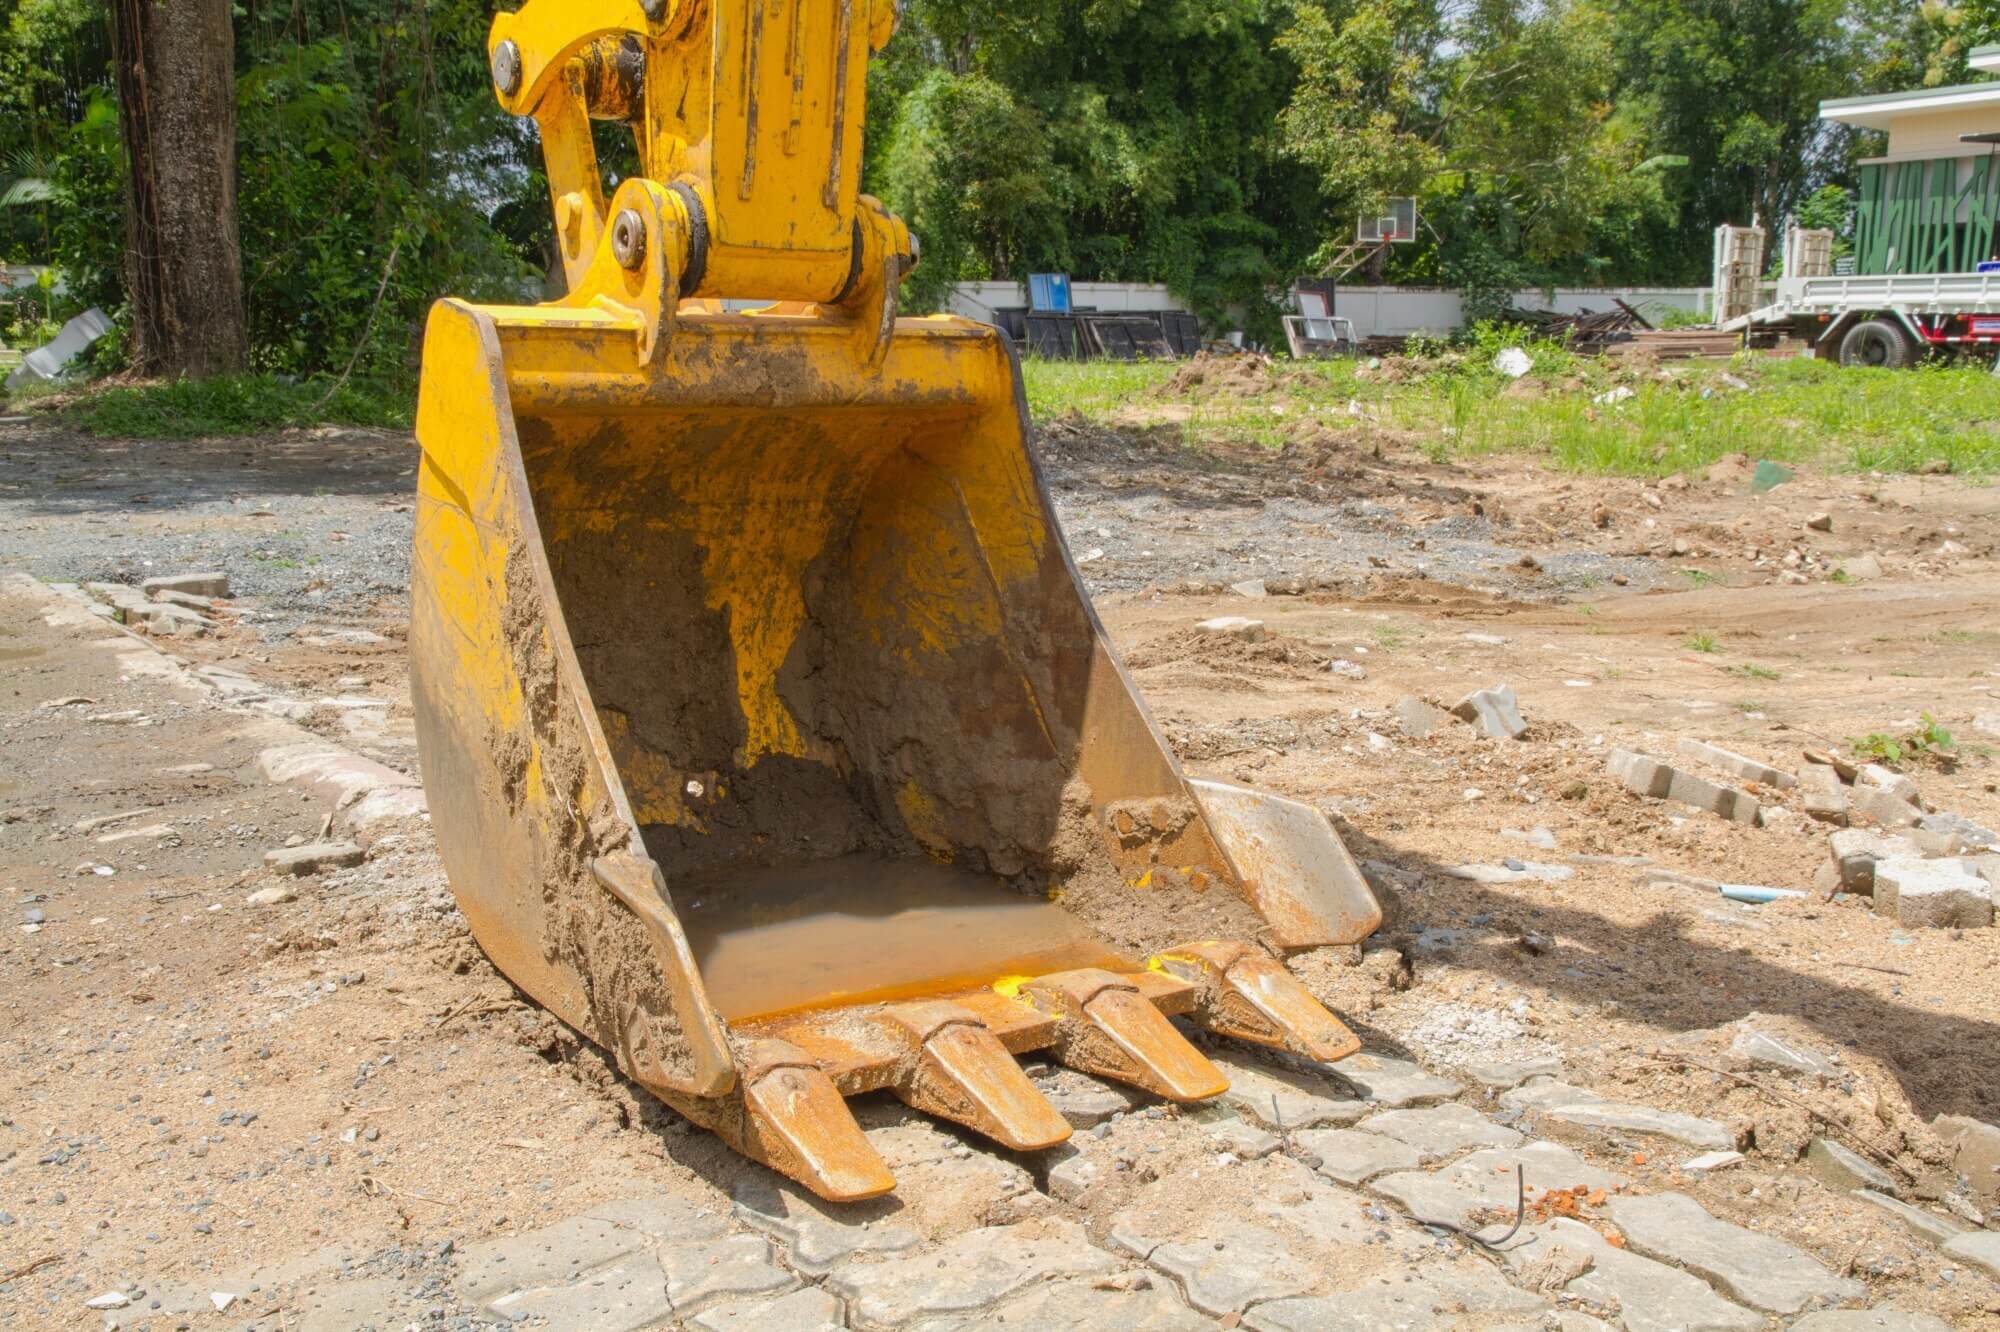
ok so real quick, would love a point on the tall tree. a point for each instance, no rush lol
(175, 67)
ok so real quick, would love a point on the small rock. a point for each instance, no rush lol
(1253, 589)
(1346, 669)
(1234, 626)
(110, 1299)
(193, 584)
(1860, 569)
(1710, 1162)
(1418, 718)
(1844, 1170)
(270, 897)
(1820, 522)
(314, 858)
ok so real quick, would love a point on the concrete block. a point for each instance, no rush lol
(1933, 894)
(189, 584)
(1875, 777)
(1656, 780)
(1234, 626)
(314, 858)
(1825, 795)
(1889, 810)
(1737, 766)
(1857, 851)
(1495, 711)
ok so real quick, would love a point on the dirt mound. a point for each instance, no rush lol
(1211, 375)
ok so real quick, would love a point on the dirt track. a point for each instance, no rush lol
(196, 1087)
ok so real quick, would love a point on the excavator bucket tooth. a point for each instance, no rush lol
(1107, 1028)
(760, 704)
(963, 1073)
(1248, 995)
(796, 1122)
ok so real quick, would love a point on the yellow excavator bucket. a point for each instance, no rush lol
(770, 739)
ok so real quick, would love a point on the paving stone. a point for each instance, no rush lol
(193, 584)
(1083, 1100)
(1507, 1074)
(1759, 1270)
(1328, 1220)
(1441, 1131)
(1587, 1109)
(1431, 1298)
(1935, 894)
(551, 1256)
(1353, 1157)
(1924, 1225)
(1234, 626)
(1496, 712)
(1484, 1183)
(1389, 1083)
(1844, 1170)
(664, 1220)
(1418, 718)
(1856, 851)
(1226, 1270)
(699, 1275)
(1825, 795)
(1660, 781)
(1075, 1175)
(1241, 1139)
(1649, 1296)
(1946, 824)
(1285, 1100)
(1736, 765)
(817, 1235)
(344, 1306)
(973, 1271)
(1875, 777)
(1869, 1320)
(808, 1310)
(1771, 1050)
(1516, 871)
(1981, 1248)
(314, 858)
(1080, 1306)
(1977, 1148)
(626, 1296)
(1889, 810)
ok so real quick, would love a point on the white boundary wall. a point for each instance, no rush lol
(1385, 311)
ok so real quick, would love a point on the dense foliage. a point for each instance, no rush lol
(1221, 146)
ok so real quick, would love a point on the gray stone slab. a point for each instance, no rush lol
(626, 1296)
(699, 1275)
(551, 1256)
(343, 1306)
(1980, 1248)
(1285, 1100)
(1076, 1174)
(315, 858)
(1736, 765)
(1429, 1298)
(1976, 1149)
(1080, 1306)
(1441, 1131)
(1507, 1074)
(1869, 1320)
(1083, 1100)
(1242, 1139)
(1587, 1109)
(1329, 1219)
(1757, 1046)
(978, 1269)
(1649, 1296)
(1390, 1083)
(1226, 1270)
(818, 1236)
(1418, 718)
(1483, 1185)
(808, 1310)
(1350, 1156)
(1759, 1270)
(1844, 1170)
(1924, 1225)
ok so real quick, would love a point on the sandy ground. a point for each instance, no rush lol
(194, 1087)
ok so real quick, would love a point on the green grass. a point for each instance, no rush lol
(232, 405)
(1704, 642)
(1795, 411)
(1752, 671)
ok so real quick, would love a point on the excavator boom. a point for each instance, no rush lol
(770, 739)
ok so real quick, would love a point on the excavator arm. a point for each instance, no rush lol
(770, 738)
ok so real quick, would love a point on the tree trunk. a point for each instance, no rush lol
(176, 73)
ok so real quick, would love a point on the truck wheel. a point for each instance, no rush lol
(1881, 343)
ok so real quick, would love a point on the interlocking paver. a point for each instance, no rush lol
(699, 1275)
(1485, 1185)
(1227, 1269)
(973, 1271)
(1870, 1320)
(1431, 1298)
(1083, 1306)
(1441, 1131)
(1393, 1084)
(1649, 1296)
(1760, 1270)
(1285, 1100)
(1588, 1109)
(808, 1310)
(625, 1296)
(818, 1235)
(1353, 1157)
